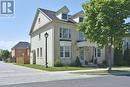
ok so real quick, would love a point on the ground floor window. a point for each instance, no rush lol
(40, 52)
(37, 52)
(98, 52)
(65, 51)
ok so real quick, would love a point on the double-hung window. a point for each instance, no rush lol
(80, 19)
(99, 52)
(64, 16)
(40, 52)
(81, 36)
(65, 33)
(37, 52)
(65, 51)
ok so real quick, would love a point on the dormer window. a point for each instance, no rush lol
(64, 16)
(80, 19)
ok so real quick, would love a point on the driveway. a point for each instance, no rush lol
(13, 74)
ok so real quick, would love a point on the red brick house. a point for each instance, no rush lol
(20, 53)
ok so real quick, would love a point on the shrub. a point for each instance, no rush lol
(77, 62)
(58, 63)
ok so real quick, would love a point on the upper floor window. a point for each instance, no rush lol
(39, 36)
(64, 16)
(39, 20)
(81, 36)
(65, 33)
(80, 19)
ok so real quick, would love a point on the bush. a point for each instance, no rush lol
(58, 63)
(77, 62)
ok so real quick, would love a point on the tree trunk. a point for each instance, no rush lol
(110, 58)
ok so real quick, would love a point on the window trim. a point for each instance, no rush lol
(64, 15)
(99, 51)
(64, 52)
(80, 19)
(39, 20)
(41, 54)
(39, 36)
(37, 52)
(62, 33)
(81, 36)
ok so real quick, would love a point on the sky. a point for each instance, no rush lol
(15, 29)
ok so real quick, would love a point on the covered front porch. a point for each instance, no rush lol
(89, 54)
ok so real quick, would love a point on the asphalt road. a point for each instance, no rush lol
(12, 74)
(107, 81)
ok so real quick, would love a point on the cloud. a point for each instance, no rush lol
(9, 44)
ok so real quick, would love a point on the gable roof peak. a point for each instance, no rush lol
(21, 44)
(64, 9)
(80, 13)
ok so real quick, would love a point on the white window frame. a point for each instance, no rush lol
(81, 36)
(99, 51)
(63, 18)
(65, 33)
(65, 49)
(37, 52)
(39, 36)
(41, 54)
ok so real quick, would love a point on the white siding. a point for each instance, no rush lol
(40, 43)
(43, 20)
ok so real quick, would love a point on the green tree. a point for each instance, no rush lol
(5, 54)
(104, 23)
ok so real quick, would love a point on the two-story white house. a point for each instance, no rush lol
(64, 42)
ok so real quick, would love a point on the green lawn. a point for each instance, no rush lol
(65, 68)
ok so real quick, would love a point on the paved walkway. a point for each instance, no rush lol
(13, 74)
(98, 69)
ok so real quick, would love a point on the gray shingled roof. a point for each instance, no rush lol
(52, 15)
(21, 45)
(80, 12)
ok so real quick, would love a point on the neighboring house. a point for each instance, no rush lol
(65, 42)
(126, 41)
(20, 53)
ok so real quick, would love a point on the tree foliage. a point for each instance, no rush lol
(104, 21)
(4, 54)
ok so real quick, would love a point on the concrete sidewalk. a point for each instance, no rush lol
(93, 70)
